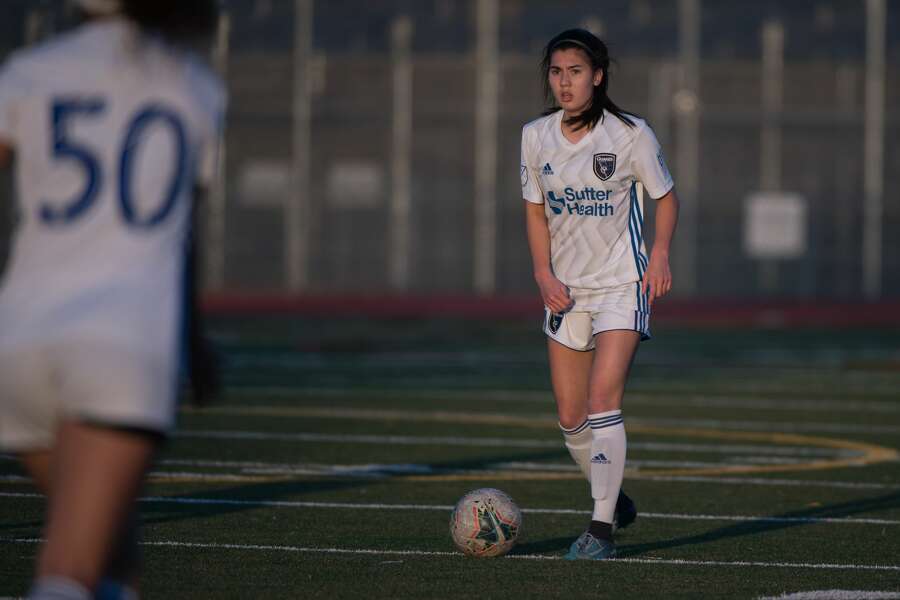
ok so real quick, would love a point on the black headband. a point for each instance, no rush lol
(571, 41)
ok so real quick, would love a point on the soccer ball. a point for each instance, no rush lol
(485, 522)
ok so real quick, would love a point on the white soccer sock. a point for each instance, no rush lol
(578, 441)
(607, 462)
(58, 588)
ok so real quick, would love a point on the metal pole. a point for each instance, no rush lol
(687, 148)
(873, 160)
(487, 91)
(847, 84)
(401, 152)
(297, 213)
(216, 216)
(772, 84)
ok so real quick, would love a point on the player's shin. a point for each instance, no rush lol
(578, 442)
(607, 463)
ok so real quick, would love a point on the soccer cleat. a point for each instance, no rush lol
(587, 547)
(626, 512)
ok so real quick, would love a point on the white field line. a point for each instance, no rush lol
(741, 453)
(257, 468)
(750, 449)
(493, 442)
(366, 439)
(852, 485)
(426, 469)
(425, 553)
(740, 449)
(835, 595)
(766, 426)
(635, 398)
(448, 508)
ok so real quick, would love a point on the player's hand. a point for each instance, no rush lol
(658, 277)
(554, 294)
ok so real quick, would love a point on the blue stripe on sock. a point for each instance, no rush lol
(600, 421)
(610, 424)
(576, 430)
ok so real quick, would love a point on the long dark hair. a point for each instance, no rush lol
(175, 20)
(598, 56)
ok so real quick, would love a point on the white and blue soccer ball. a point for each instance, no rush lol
(485, 522)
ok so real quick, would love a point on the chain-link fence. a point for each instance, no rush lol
(374, 147)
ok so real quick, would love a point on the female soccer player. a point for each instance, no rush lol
(111, 127)
(582, 164)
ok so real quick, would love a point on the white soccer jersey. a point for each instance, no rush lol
(589, 190)
(112, 130)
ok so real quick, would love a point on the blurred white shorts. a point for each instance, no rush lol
(42, 385)
(595, 311)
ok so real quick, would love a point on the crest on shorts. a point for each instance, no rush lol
(555, 321)
(604, 165)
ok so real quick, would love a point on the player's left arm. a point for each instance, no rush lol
(658, 277)
(650, 168)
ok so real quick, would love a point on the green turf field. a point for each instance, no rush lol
(762, 463)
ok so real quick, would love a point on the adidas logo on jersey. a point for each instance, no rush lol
(600, 459)
(547, 170)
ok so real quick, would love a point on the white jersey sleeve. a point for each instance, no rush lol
(531, 185)
(209, 159)
(648, 164)
(13, 89)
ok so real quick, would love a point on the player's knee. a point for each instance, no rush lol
(570, 419)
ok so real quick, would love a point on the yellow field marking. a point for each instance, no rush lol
(868, 454)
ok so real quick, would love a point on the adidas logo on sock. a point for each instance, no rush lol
(600, 459)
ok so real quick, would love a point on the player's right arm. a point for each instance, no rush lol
(553, 292)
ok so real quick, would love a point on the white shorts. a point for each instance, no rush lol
(42, 385)
(595, 311)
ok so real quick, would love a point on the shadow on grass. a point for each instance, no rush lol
(845, 509)
(553, 545)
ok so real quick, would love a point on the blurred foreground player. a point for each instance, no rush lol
(582, 163)
(111, 128)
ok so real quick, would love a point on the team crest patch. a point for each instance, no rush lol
(604, 165)
(554, 322)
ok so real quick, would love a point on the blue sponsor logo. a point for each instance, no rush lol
(586, 202)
